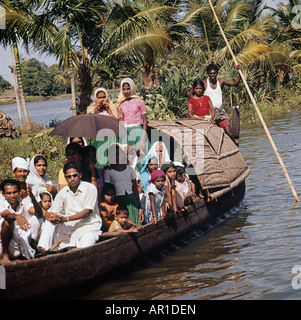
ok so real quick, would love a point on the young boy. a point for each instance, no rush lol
(122, 222)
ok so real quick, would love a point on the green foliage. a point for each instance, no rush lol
(4, 85)
(156, 106)
(30, 144)
(41, 80)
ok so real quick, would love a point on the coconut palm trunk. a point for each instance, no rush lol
(72, 80)
(13, 69)
(20, 83)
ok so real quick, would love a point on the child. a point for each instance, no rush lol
(108, 195)
(200, 105)
(122, 222)
(152, 202)
(183, 189)
(132, 112)
(46, 200)
(170, 173)
(123, 177)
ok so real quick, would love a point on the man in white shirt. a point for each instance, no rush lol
(18, 222)
(75, 219)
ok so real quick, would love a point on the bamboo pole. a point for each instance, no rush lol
(256, 107)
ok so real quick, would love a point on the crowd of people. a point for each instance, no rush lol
(132, 184)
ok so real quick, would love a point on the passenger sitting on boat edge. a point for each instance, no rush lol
(200, 105)
(153, 204)
(75, 215)
(183, 189)
(122, 222)
(108, 195)
(160, 150)
(150, 163)
(18, 222)
(74, 153)
(37, 179)
(169, 169)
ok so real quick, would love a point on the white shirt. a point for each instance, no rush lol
(23, 207)
(69, 203)
(122, 180)
(215, 95)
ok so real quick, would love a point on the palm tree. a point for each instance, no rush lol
(10, 37)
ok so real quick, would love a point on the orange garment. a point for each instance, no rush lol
(111, 208)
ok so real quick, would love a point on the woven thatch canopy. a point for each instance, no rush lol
(215, 159)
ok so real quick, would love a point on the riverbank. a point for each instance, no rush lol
(8, 97)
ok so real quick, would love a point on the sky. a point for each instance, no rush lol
(5, 60)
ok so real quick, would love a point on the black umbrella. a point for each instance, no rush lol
(93, 126)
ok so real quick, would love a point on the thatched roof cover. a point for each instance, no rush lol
(217, 161)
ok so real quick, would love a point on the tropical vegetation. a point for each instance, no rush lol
(164, 45)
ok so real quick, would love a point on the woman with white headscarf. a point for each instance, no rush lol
(102, 104)
(132, 113)
(37, 179)
(159, 149)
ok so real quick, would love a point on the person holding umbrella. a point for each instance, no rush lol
(102, 105)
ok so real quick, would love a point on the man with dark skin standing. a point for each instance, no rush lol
(213, 89)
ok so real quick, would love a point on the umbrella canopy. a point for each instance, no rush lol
(90, 126)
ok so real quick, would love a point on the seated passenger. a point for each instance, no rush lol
(200, 105)
(93, 174)
(153, 204)
(122, 222)
(159, 149)
(19, 223)
(150, 163)
(74, 153)
(170, 173)
(108, 196)
(75, 215)
(37, 179)
(20, 171)
(183, 189)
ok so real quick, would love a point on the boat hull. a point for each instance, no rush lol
(36, 277)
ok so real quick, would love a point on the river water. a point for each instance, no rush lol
(251, 254)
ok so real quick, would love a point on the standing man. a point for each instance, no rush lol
(75, 217)
(213, 89)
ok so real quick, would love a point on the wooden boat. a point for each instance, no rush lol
(220, 182)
